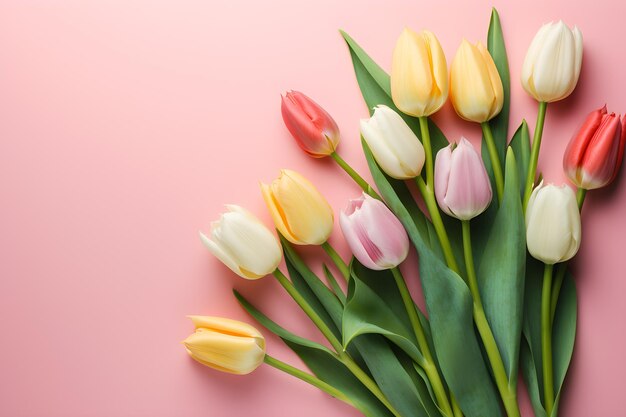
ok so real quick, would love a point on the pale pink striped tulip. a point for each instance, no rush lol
(374, 234)
(462, 185)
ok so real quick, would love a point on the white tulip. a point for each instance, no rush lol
(552, 64)
(394, 145)
(552, 224)
(243, 243)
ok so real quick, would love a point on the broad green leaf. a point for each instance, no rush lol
(323, 363)
(375, 86)
(521, 146)
(502, 271)
(497, 49)
(563, 336)
(366, 312)
(449, 305)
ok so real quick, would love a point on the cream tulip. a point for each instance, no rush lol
(243, 243)
(299, 211)
(419, 74)
(226, 345)
(394, 145)
(475, 86)
(552, 224)
(552, 64)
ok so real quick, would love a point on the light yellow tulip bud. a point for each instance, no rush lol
(419, 74)
(552, 64)
(475, 85)
(226, 345)
(552, 224)
(299, 211)
(243, 243)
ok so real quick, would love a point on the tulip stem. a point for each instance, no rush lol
(496, 164)
(355, 176)
(546, 340)
(534, 152)
(455, 406)
(343, 356)
(428, 364)
(428, 150)
(429, 198)
(562, 269)
(306, 377)
(507, 393)
(337, 260)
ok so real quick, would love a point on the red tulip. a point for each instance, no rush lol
(311, 126)
(594, 155)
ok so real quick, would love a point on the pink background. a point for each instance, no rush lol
(125, 125)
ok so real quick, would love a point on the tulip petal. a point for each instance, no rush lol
(443, 162)
(354, 241)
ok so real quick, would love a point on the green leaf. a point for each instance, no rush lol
(366, 312)
(332, 281)
(375, 86)
(563, 336)
(449, 305)
(502, 271)
(323, 363)
(521, 146)
(323, 300)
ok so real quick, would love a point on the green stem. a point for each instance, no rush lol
(306, 377)
(508, 395)
(429, 198)
(546, 340)
(429, 365)
(345, 358)
(496, 164)
(534, 153)
(562, 268)
(337, 260)
(355, 176)
(430, 175)
(455, 407)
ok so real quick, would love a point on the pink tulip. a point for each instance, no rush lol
(462, 185)
(374, 234)
(594, 155)
(312, 127)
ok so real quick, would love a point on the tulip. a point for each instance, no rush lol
(419, 74)
(552, 224)
(299, 211)
(462, 185)
(392, 142)
(374, 234)
(552, 64)
(243, 243)
(226, 345)
(594, 155)
(475, 86)
(311, 126)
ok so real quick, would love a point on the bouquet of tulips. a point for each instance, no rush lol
(491, 308)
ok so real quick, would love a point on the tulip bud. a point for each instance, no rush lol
(243, 244)
(552, 64)
(552, 224)
(374, 234)
(311, 126)
(475, 85)
(594, 155)
(462, 185)
(300, 212)
(394, 145)
(226, 345)
(419, 74)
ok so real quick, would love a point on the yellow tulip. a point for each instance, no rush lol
(226, 345)
(475, 85)
(419, 74)
(299, 211)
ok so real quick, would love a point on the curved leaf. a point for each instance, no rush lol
(521, 146)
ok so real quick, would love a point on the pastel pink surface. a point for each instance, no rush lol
(125, 126)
